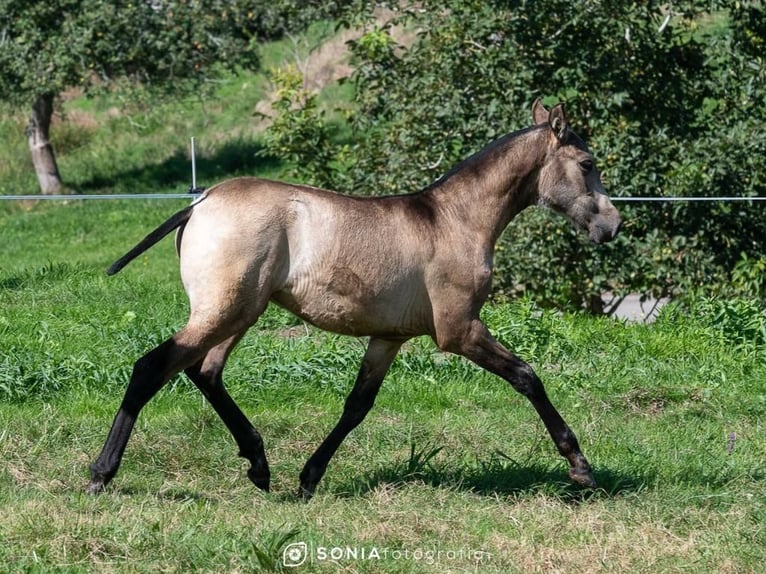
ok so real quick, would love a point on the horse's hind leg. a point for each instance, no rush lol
(207, 375)
(150, 373)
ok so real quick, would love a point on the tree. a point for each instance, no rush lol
(166, 47)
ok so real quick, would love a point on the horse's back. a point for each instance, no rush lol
(346, 264)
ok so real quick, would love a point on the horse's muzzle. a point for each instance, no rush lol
(616, 229)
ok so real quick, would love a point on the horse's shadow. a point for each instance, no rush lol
(491, 480)
(494, 478)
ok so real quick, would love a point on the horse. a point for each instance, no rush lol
(388, 268)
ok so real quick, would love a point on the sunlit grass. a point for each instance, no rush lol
(450, 458)
(451, 472)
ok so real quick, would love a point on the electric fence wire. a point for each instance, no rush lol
(192, 195)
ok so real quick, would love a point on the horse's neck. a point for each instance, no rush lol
(487, 190)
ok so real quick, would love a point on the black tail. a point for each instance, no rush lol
(174, 222)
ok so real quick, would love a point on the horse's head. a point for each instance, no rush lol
(569, 181)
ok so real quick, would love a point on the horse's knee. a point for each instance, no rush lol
(524, 379)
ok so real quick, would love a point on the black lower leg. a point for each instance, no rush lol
(528, 384)
(482, 348)
(245, 435)
(377, 360)
(566, 442)
(148, 377)
(358, 404)
(106, 465)
(247, 438)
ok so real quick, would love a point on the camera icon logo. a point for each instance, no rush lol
(294, 554)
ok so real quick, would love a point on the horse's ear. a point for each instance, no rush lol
(558, 122)
(539, 113)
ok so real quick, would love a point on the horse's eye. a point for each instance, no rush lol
(586, 165)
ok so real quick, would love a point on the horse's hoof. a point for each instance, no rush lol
(583, 477)
(305, 492)
(95, 487)
(259, 480)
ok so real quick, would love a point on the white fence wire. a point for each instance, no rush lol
(190, 196)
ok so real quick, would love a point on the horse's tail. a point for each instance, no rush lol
(175, 221)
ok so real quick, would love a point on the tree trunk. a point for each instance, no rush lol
(43, 158)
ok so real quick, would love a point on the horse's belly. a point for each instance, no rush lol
(355, 314)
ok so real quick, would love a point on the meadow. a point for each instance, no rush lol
(451, 472)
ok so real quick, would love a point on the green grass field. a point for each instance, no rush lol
(452, 471)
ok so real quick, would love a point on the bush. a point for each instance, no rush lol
(276, 18)
(299, 133)
(737, 322)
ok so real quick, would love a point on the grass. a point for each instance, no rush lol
(452, 471)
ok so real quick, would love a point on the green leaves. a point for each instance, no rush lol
(299, 133)
(50, 47)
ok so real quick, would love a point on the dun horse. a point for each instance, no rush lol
(388, 268)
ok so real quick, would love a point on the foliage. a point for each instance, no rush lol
(173, 47)
(740, 322)
(277, 18)
(670, 98)
(149, 48)
(49, 47)
(299, 133)
(135, 52)
(749, 277)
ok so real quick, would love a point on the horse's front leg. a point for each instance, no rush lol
(377, 360)
(478, 345)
